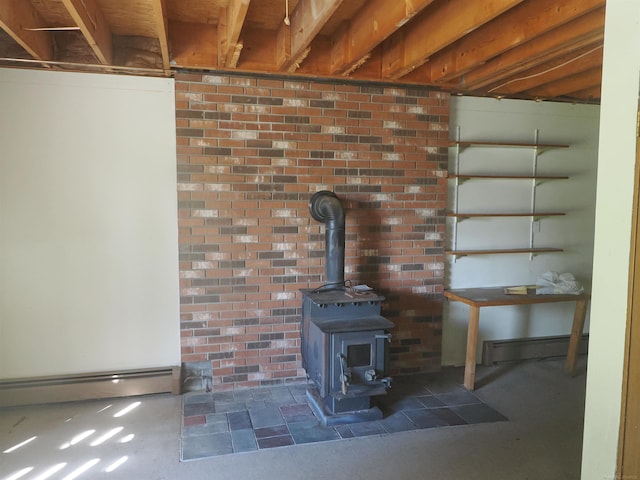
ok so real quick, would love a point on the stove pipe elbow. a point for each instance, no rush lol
(325, 207)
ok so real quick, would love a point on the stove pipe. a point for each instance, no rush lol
(325, 207)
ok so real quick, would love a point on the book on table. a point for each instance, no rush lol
(522, 290)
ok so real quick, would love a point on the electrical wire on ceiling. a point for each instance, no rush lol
(286, 13)
(547, 70)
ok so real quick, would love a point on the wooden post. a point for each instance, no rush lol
(576, 334)
(472, 344)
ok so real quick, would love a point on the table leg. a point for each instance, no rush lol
(472, 344)
(576, 335)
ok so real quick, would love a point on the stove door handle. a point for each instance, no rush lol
(344, 376)
(386, 336)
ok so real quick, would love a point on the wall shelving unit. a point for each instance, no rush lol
(535, 180)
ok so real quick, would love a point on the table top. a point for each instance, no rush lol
(495, 296)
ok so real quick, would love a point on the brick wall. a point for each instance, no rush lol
(251, 152)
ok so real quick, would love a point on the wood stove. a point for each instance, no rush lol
(344, 337)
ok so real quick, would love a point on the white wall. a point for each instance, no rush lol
(612, 238)
(485, 119)
(88, 223)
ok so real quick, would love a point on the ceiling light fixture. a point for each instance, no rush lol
(286, 13)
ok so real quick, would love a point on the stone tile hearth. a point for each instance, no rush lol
(256, 419)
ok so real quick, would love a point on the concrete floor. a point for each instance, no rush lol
(541, 440)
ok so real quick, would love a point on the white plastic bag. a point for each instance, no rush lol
(559, 283)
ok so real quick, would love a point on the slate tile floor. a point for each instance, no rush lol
(256, 419)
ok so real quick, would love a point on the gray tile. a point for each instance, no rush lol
(407, 389)
(312, 431)
(398, 404)
(430, 401)
(458, 397)
(270, 417)
(366, 429)
(398, 422)
(280, 402)
(344, 431)
(281, 393)
(190, 398)
(243, 395)
(448, 416)
(239, 420)
(300, 397)
(266, 417)
(255, 404)
(442, 384)
(217, 418)
(205, 429)
(230, 407)
(243, 441)
(478, 413)
(199, 409)
(225, 397)
(206, 446)
(298, 389)
(261, 394)
(424, 418)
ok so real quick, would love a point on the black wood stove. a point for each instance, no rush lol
(344, 337)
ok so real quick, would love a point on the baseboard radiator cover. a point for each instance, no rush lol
(496, 351)
(89, 386)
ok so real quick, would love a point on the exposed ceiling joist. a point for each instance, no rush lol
(18, 19)
(524, 47)
(306, 21)
(229, 27)
(569, 84)
(585, 31)
(430, 32)
(376, 22)
(162, 26)
(89, 17)
(552, 71)
(516, 27)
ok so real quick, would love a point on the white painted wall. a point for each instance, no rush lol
(484, 119)
(615, 185)
(88, 223)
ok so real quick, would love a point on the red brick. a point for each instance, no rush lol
(249, 198)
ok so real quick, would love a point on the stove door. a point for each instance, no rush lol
(358, 363)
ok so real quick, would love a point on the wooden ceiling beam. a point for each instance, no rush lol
(515, 27)
(568, 84)
(16, 17)
(162, 27)
(306, 21)
(435, 29)
(89, 17)
(554, 70)
(377, 20)
(231, 21)
(584, 31)
(589, 93)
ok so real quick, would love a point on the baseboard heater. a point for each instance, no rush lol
(88, 386)
(496, 351)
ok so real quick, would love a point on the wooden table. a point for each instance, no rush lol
(495, 296)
